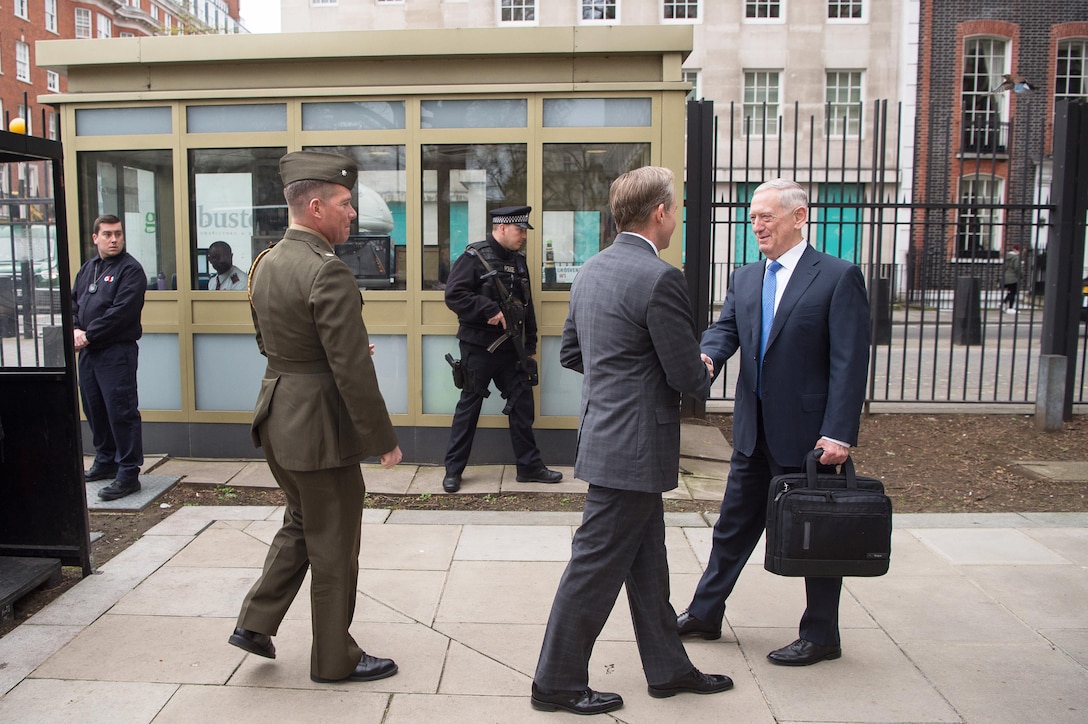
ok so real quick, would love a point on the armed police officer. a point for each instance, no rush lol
(488, 290)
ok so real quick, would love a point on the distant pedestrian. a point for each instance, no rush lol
(1012, 278)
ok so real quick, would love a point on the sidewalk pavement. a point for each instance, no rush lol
(982, 618)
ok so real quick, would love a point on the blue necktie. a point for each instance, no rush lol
(770, 286)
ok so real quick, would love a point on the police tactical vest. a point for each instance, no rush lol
(514, 272)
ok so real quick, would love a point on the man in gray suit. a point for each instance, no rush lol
(630, 333)
(801, 322)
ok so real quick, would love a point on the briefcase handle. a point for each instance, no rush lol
(811, 458)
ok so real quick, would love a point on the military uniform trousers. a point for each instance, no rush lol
(742, 521)
(499, 366)
(107, 384)
(321, 529)
(621, 541)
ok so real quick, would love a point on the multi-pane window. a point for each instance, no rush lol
(105, 26)
(154, 11)
(324, 2)
(681, 9)
(692, 76)
(83, 23)
(763, 9)
(843, 103)
(761, 95)
(22, 61)
(845, 9)
(978, 227)
(984, 113)
(52, 81)
(599, 9)
(20, 9)
(51, 15)
(517, 11)
(1071, 74)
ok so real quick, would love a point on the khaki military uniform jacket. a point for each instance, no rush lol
(319, 405)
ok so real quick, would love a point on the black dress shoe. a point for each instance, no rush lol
(369, 668)
(119, 489)
(253, 642)
(100, 472)
(688, 625)
(541, 475)
(803, 653)
(694, 681)
(451, 483)
(586, 701)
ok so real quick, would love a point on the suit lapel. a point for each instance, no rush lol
(800, 280)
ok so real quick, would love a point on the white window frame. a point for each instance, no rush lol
(990, 221)
(515, 7)
(21, 8)
(84, 28)
(22, 61)
(863, 5)
(53, 130)
(103, 27)
(695, 77)
(1076, 51)
(154, 11)
(52, 81)
(768, 126)
(51, 15)
(854, 107)
(606, 5)
(761, 20)
(981, 106)
(688, 6)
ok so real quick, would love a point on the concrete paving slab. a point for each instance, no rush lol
(470, 672)
(1041, 596)
(513, 543)
(191, 520)
(221, 547)
(254, 474)
(680, 520)
(415, 708)
(210, 472)
(715, 470)
(569, 484)
(476, 517)
(24, 649)
(959, 520)
(86, 702)
(151, 461)
(764, 600)
(987, 547)
(244, 705)
(1070, 543)
(475, 480)
(516, 646)
(263, 530)
(414, 594)
(151, 487)
(856, 688)
(912, 557)
(1059, 472)
(157, 649)
(682, 557)
(189, 592)
(392, 481)
(1057, 520)
(499, 592)
(708, 489)
(1074, 642)
(1005, 683)
(408, 547)
(703, 441)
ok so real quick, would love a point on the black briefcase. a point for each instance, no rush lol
(828, 524)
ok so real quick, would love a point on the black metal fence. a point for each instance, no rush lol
(935, 267)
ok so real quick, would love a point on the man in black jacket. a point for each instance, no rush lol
(107, 300)
(474, 293)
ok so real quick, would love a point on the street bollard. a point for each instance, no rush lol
(1050, 394)
(966, 312)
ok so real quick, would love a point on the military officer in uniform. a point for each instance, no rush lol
(474, 292)
(318, 415)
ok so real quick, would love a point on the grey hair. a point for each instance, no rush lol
(790, 194)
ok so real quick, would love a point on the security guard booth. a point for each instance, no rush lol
(43, 513)
(180, 137)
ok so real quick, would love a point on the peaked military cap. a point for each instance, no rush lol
(317, 166)
(516, 215)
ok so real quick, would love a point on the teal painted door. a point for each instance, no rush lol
(838, 223)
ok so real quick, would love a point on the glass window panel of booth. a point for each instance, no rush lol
(598, 112)
(353, 115)
(474, 113)
(376, 248)
(576, 222)
(461, 182)
(138, 188)
(235, 197)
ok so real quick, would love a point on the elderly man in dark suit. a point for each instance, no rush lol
(318, 415)
(630, 333)
(801, 321)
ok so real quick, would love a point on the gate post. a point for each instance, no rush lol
(1065, 249)
(966, 312)
(698, 202)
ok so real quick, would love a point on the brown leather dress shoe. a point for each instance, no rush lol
(694, 681)
(369, 668)
(586, 701)
(253, 642)
(688, 625)
(803, 653)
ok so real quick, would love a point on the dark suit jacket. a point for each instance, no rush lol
(631, 334)
(319, 399)
(817, 355)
